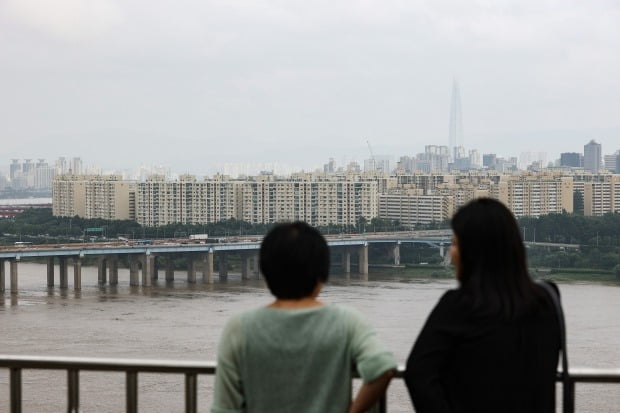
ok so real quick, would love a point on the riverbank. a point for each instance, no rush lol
(553, 274)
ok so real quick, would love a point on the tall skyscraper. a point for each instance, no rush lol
(456, 121)
(592, 156)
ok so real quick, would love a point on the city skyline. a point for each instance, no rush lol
(521, 161)
(193, 85)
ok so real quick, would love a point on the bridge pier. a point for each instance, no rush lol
(256, 266)
(77, 273)
(346, 261)
(13, 266)
(2, 281)
(169, 269)
(191, 270)
(363, 259)
(441, 250)
(156, 268)
(245, 266)
(102, 271)
(133, 271)
(147, 270)
(223, 266)
(396, 253)
(50, 271)
(207, 267)
(64, 279)
(113, 270)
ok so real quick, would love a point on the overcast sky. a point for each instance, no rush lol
(193, 84)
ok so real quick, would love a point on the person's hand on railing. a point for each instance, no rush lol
(370, 393)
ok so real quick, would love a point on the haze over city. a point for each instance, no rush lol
(192, 85)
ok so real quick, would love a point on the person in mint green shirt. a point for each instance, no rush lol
(297, 354)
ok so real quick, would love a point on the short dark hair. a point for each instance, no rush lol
(493, 260)
(294, 258)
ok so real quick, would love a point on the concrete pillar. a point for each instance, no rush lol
(363, 259)
(169, 269)
(50, 271)
(147, 270)
(223, 260)
(77, 273)
(396, 253)
(13, 265)
(245, 266)
(102, 271)
(156, 269)
(191, 269)
(133, 271)
(207, 267)
(441, 250)
(64, 278)
(346, 261)
(256, 266)
(2, 276)
(114, 271)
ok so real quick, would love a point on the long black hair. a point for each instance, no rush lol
(493, 262)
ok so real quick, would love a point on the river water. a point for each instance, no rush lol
(183, 321)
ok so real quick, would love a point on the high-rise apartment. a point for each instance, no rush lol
(93, 196)
(602, 196)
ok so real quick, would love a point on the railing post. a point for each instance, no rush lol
(380, 406)
(73, 388)
(190, 393)
(569, 398)
(132, 392)
(16, 390)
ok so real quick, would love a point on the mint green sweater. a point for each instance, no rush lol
(295, 360)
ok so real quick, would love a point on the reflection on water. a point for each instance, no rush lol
(176, 320)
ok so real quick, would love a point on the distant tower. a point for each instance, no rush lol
(592, 156)
(456, 120)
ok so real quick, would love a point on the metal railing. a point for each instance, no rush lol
(191, 370)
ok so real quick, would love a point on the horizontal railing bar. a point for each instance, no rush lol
(107, 364)
(592, 375)
(581, 375)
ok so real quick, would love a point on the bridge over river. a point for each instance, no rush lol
(144, 260)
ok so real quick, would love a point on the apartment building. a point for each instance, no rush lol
(413, 209)
(187, 201)
(317, 202)
(93, 196)
(534, 194)
(602, 196)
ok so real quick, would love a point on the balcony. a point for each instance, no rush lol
(191, 370)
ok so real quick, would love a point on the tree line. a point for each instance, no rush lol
(599, 237)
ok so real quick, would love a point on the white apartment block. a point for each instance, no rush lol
(93, 196)
(534, 194)
(337, 202)
(187, 201)
(413, 209)
(602, 197)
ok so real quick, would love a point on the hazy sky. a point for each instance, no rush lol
(192, 84)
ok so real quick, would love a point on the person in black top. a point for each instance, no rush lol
(492, 344)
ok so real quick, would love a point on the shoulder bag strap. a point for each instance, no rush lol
(567, 399)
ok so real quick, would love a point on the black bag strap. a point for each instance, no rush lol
(567, 399)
